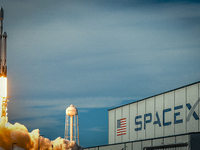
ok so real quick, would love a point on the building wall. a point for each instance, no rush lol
(171, 113)
(179, 142)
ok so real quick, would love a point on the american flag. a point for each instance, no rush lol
(121, 126)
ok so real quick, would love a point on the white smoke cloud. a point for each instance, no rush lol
(17, 137)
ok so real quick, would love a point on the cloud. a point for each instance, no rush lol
(31, 109)
(96, 54)
(97, 129)
(93, 51)
(18, 134)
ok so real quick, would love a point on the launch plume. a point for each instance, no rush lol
(17, 137)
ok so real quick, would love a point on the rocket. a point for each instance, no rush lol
(3, 71)
(3, 47)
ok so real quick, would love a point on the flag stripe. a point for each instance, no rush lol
(121, 126)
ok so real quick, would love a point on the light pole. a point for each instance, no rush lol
(39, 142)
(13, 145)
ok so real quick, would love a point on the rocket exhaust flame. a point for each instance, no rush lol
(3, 98)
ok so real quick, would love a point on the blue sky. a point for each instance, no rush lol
(95, 54)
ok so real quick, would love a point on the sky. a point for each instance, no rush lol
(96, 55)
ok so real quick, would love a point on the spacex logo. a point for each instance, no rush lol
(142, 121)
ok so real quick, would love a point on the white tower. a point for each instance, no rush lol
(71, 124)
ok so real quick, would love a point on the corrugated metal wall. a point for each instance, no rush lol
(181, 142)
(158, 116)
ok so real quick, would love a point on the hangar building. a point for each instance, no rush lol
(165, 121)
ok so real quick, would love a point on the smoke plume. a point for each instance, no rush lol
(17, 137)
